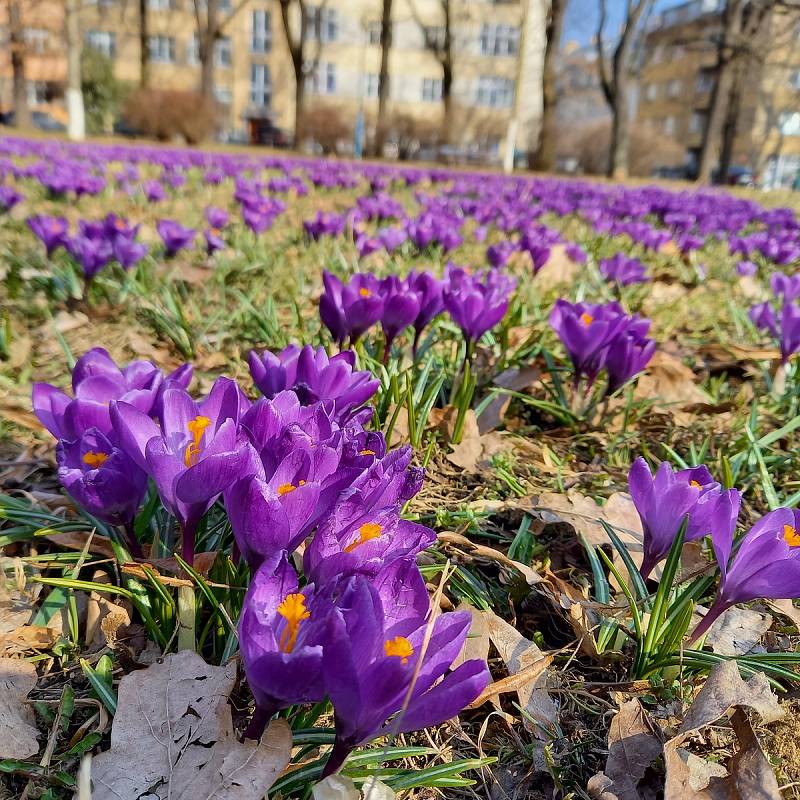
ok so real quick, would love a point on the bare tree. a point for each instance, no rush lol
(439, 40)
(383, 78)
(617, 78)
(76, 127)
(144, 44)
(744, 23)
(545, 156)
(17, 46)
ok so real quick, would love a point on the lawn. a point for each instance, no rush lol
(440, 560)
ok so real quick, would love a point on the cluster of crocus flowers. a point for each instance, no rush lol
(783, 325)
(295, 469)
(623, 270)
(601, 337)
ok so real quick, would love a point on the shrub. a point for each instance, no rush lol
(168, 114)
(102, 92)
(327, 126)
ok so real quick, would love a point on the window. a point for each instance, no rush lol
(262, 32)
(322, 24)
(260, 86)
(705, 81)
(669, 126)
(222, 52)
(674, 88)
(104, 42)
(162, 5)
(697, 122)
(499, 40)
(323, 79)
(651, 92)
(374, 32)
(37, 93)
(794, 81)
(658, 52)
(789, 123)
(37, 39)
(372, 84)
(223, 95)
(162, 49)
(495, 92)
(431, 90)
(434, 36)
(193, 50)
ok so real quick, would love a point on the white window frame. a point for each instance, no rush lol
(260, 85)
(261, 35)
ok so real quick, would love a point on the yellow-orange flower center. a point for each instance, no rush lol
(197, 427)
(369, 530)
(95, 459)
(791, 535)
(285, 488)
(400, 647)
(695, 484)
(587, 319)
(293, 610)
(364, 292)
(215, 231)
(366, 452)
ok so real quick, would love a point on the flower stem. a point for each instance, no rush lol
(261, 716)
(708, 620)
(336, 759)
(134, 545)
(187, 543)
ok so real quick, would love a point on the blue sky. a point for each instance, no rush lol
(580, 23)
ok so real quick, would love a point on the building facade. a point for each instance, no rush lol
(678, 76)
(254, 79)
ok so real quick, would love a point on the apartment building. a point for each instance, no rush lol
(45, 62)
(678, 76)
(254, 79)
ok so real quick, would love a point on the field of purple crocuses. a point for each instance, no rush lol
(337, 479)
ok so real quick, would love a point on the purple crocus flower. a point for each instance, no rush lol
(102, 479)
(154, 191)
(623, 270)
(348, 310)
(429, 290)
(763, 317)
(575, 253)
(9, 197)
(373, 668)
(96, 381)
(217, 217)
(52, 232)
(498, 254)
(214, 240)
(476, 302)
(174, 236)
(586, 330)
(282, 630)
(401, 305)
(787, 332)
(392, 238)
(746, 268)
(767, 564)
(313, 376)
(787, 286)
(127, 251)
(663, 501)
(92, 253)
(628, 354)
(194, 455)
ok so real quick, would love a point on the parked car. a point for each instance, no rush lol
(39, 119)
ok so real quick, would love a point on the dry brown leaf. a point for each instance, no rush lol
(514, 379)
(750, 776)
(76, 540)
(633, 744)
(469, 451)
(173, 737)
(788, 609)
(103, 620)
(18, 733)
(737, 631)
(670, 382)
(512, 683)
(520, 654)
(27, 639)
(477, 641)
(489, 553)
(559, 269)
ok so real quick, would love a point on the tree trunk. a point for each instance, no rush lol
(731, 124)
(717, 114)
(144, 46)
(16, 34)
(206, 40)
(618, 157)
(76, 128)
(383, 78)
(299, 104)
(544, 158)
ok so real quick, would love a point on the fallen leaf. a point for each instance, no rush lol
(468, 452)
(750, 776)
(103, 620)
(514, 379)
(27, 639)
(559, 269)
(173, 737)
(489, 553)
(521, 655)
(788, 609)
(670, 382)
(633, 745)
(18, 732)
(341, 787)
(737, 631)
(477, 641)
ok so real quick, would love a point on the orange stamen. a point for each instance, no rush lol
(94, 459)
(197, 427)
(366, 452)
(369, 530)
(364, 292)
(695, 484)
(587, 319)
(791, 535)
(399, 646)
(293, 610)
